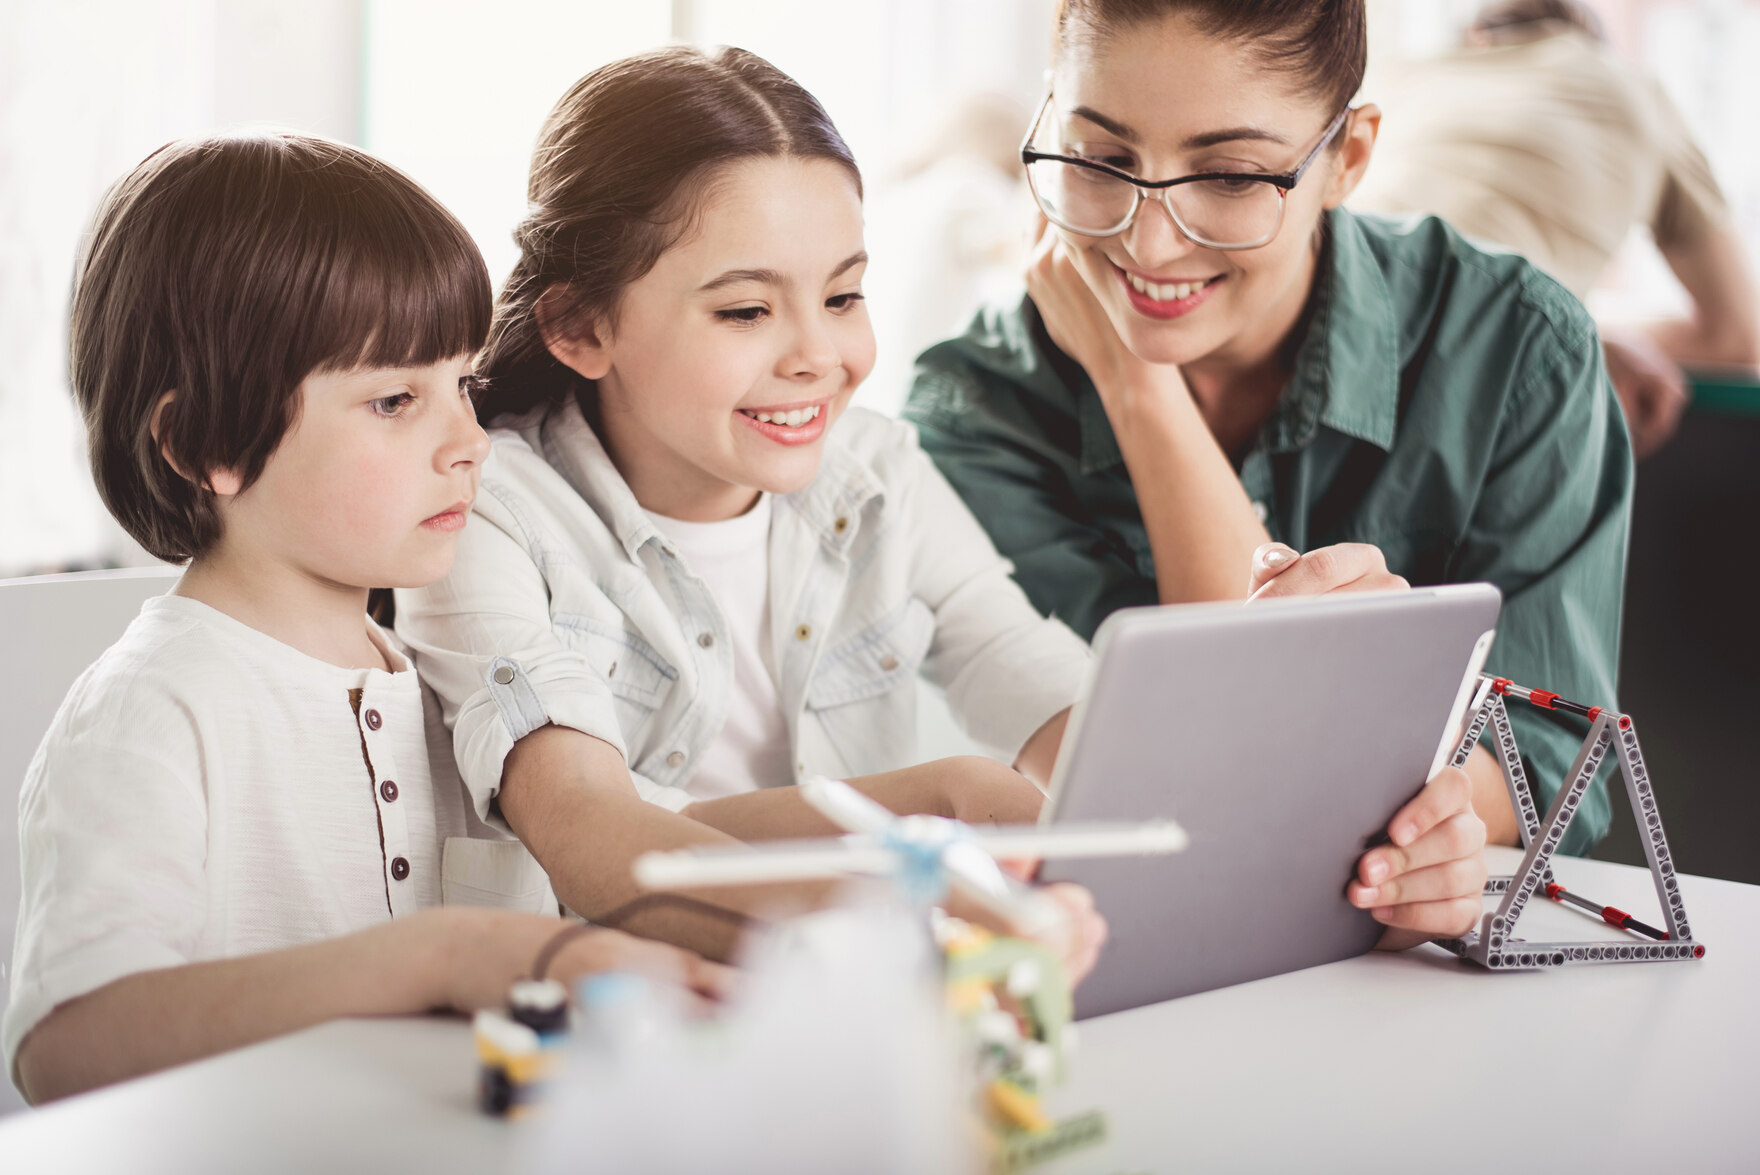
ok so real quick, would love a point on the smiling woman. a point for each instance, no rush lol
(1214, 354)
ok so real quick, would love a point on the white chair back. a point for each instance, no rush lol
(51, 628)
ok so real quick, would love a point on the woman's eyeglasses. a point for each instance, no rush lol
(1218, 210)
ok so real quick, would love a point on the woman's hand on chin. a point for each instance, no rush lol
(1279, 571)
(1078, 324)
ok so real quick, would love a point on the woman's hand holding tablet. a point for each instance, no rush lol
(1427, 883)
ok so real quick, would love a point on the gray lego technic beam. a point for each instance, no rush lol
(1494, 944)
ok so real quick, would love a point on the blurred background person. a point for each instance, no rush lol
(1535, 136)
(947, 231)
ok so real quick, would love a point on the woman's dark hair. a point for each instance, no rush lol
(1324, 43)
(618, 172)
(228, 269)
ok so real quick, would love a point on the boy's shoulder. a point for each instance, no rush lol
(180, 670)
(149, 702)
(169, 655)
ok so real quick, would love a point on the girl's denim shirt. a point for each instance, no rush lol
(565, 605)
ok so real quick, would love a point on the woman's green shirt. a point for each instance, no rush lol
(1448, 404)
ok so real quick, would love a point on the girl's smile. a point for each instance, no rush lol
(724, 365)
(797, 424)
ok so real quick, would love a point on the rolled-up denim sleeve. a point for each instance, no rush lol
(1007, 670)
(1550, 529)
(483, 639)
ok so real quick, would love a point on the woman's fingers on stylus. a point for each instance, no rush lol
(1327, 569)
(1384, 581)
(1458, 878)
(1459, 835)
(1444, 919)
(1269, 561)
(1449, 791)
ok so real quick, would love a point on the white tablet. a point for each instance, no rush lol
(1282, 735)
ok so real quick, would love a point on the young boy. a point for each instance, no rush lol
(245, 815)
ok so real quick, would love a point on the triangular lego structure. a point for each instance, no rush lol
(1494, 944)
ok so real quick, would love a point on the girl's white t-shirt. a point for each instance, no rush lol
(733, 558)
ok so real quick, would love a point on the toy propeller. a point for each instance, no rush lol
(926, 855)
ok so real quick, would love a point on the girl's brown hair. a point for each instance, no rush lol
(620, 167)
(1324, 43)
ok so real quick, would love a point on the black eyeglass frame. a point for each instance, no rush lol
(1283, 182)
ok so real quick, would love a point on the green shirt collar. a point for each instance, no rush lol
(1346, 368)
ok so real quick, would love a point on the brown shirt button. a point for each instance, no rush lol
(388, 789)
(374, 722)
(803, 632)
(841, 525)
(676, 759)
(706, 639)
(399, 868)
(889, 662)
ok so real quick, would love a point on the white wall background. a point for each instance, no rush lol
(454, 91)
(88, 88)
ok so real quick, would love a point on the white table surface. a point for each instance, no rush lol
(1386, 1062)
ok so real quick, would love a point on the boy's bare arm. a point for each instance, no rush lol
(156, 1019)
(452, 958)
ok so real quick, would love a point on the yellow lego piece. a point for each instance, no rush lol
(1016, 1106)
(966, 996)
(523, 1065)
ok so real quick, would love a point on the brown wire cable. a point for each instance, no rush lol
(611, 921)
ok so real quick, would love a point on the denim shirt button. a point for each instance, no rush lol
(706, 639)
(676, 759)
(889, 662)
(504, 675)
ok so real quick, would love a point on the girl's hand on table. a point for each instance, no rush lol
(1085, 930)
(1077, 941)
(1429, 881)
(983, 791)
(1279, 571)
